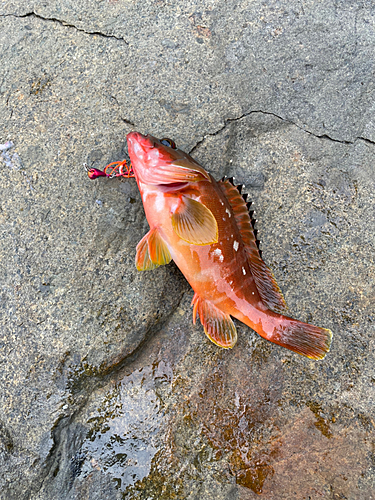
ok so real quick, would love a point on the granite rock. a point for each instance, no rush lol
(107, 389)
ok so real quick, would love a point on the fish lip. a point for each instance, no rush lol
(145, 142)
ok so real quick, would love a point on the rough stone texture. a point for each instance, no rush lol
(107, 389)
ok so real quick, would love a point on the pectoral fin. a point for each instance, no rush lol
(194, 222)
(157, 248)
(217, 325)
(152, 252)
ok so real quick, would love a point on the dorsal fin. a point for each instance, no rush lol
(268, 289)
(249, 207)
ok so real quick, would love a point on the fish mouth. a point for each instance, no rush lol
(139, 142)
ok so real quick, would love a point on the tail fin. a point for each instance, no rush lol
(305, 339)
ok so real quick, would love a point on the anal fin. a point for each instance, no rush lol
(217, 325)
(152, 251)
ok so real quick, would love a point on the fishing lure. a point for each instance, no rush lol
(206, 228)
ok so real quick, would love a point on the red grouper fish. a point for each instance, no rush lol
(205, 227)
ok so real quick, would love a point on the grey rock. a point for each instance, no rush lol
(107, 389)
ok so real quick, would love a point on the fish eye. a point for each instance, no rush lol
(168, 142)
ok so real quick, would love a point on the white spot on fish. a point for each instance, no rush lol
(217, 252)
(252, 293)
(228, 212)
(243, 271)
(160, 202)
(235, 246)
(222, 202)
(221, 258)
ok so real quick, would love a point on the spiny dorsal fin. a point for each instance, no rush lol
(268, 289)
(249, 205)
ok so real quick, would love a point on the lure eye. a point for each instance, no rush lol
(168, 142)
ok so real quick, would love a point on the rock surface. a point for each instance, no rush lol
(107, 389)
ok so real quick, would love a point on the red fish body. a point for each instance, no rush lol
(205, 227)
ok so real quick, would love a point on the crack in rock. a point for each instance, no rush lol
(369, 141)
(244, 115)
(64, 23)
(128, 122)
